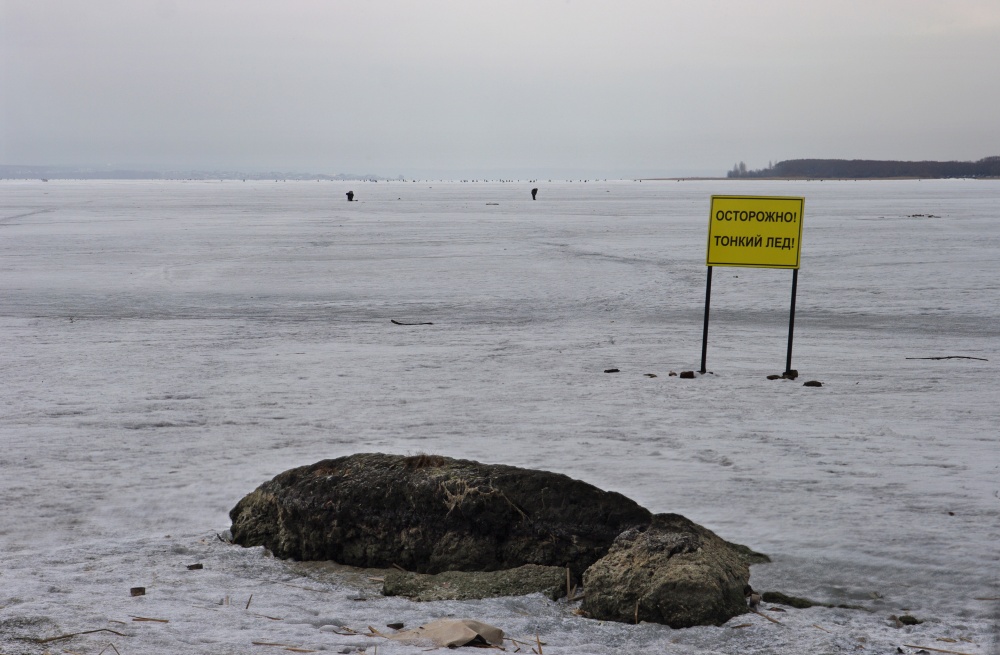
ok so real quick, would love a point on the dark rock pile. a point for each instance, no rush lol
(429, 514)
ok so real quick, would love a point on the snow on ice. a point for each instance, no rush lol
(167, 346)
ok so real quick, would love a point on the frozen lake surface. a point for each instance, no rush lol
(168, 346)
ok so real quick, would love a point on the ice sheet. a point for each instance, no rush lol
(167, 346)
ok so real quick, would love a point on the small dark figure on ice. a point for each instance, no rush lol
(350, 196)
(534, 192)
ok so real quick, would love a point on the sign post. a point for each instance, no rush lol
(791, 321)
(754, 232)
(704, 333)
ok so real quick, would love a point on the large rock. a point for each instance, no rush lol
(673, 571)
(431, 514)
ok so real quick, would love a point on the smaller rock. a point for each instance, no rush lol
(137, 591)
(812, 383)
(650, 375)
(774, 377)
(611, 370)
(195, 567)
(687, 375)
(672, 374)
(906, 619)
(395, 626)
(673, 572)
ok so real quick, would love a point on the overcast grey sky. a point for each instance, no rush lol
(469, 88)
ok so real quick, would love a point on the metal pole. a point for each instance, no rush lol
(791, 320)
(704, 334)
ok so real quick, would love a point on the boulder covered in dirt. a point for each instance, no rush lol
(673, 571)
(431, 514)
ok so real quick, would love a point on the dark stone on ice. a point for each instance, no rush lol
(791, 601)
(395, 626)
(611, 370)
(812, 383)
(430, 514)
(790, 374)
(774, 377)
(801, 603)
(687, 375)
(906, 619)
(673, 572)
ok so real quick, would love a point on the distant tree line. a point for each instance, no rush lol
(869, 168)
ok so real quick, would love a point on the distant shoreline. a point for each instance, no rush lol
(803, 179)
(865, 169)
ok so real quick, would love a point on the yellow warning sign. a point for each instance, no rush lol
(755, 231)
